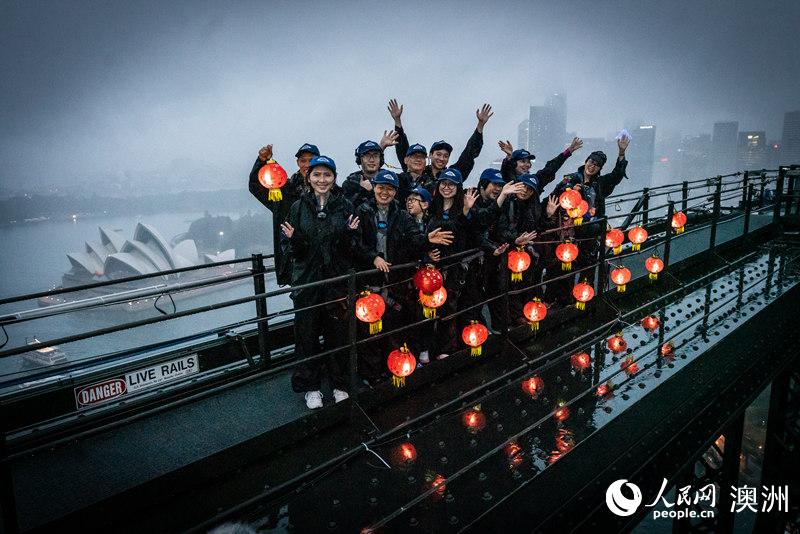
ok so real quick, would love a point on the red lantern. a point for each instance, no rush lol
(273, 177)
(562, 412)
(654, 265)
(650, 323)
(428, 279)
(565, 440)
(629, 366)
(637, 235)
(404, 456)
(621, 276)
(580, 361)
(533, 386)
(535, 311)
(369, 309)
(514, 454)
(583, 293)
(679, 221)
(401, 364)
(474, 420)
(436, 482)
(614, 239)
(617, 343)
(518, 262)
(578, 212)
(569, 199)
(604, 389)
(432, 301)
(474, 335)
(567, 252)
(667, 348)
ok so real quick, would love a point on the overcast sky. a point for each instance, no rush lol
(105, 87)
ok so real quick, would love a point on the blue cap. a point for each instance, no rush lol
(423, 193)
(531, 180)
(323, 161)
(522, 154)
(368, 146)
(387, 177)
(441, 145)
(492, 176)
(416, 149)
(307, 147)
(451, 175)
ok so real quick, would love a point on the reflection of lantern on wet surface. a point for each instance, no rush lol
(583, 293)
(369, 309)
(535, 311)
(621, 276)
(404, 455)
(436, 482)
(650, 323)
(428, 279)
(614, 239)
(562, 412)
(433, 301)
(629, 366)
(474, 420)
(578, 212)
(533, 386)
(401, 363)
(668, 348)
(567, 252)
(273, 177)
(679, 221)
(654, 265)
(518, 263)
(637, 236)
(514, 454)
(474, 335)
(580, 361)
(604, 389)
(617, 343)
(565, 442)
(569, 199)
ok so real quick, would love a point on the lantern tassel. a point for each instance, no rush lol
(376, 327)
(653, 276)
(275, 195)
(578, 221)
(580, 305)
(516, 277)
(428, 312)
(534, 326)
(398, 381)
(476, 351)
(621, 288)
(566, 265)
(617, 250)
(679, 230)
(636, 246)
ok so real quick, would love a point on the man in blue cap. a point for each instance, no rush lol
(295, 186)
(441, 150)
(369, 156)
(518, 162)
(414, 176)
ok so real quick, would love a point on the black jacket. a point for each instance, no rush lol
(353, 190)
(407, 183)
(545, 175)
(294, 188)
(465, 163)
(597, 189)
(519, 216)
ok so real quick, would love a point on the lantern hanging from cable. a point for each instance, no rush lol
(679, 222)
(273, 177)
(562, 412)
(428, 279)
(437, 483)
(580, 362)
(401, 363)
(583, 293)
(533, 386)
(433, 301)
(650, 323)
(667, 348)
(617, 343)
(535, 311)
(569, 199)
(604, 390)
(404, 456)
(621, 276)
(614, 239)
(629, 366)
(518, 262)
(474, 335)
(474, 419)
(578, 212)
(369, 309)
(654, 265)
(637, 236)
(567, 252)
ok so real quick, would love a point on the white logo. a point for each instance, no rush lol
(618, 503)
(326, 160)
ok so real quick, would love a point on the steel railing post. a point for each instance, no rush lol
(745, 183)
(776, 213)
(352, 332)
(645, 206)
(715, 214)
(668, 233)
(685, 196)
(261, 307)
(748, 208)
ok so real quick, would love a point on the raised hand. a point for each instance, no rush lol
(623, 143)
(265, 154)
(352, 222)
(501, 249)
(287, 229)
(381, 264)
(389, 138)
(506, 147)
(366, 183)
(435, 254)
(552, 205)
(483, 115)
(470, 196)
(396, 111)
(525, 238)
(576, 144)
(439, 237)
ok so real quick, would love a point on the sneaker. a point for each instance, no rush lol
(314, 399)
(424, 357)
(442, 356)
(340, 395)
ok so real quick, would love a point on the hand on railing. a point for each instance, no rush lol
(435, 255)
(381, 264)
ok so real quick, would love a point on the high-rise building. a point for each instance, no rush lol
(752, 150)
(724, 151)
(640, 154)
(524, 135)
(695, 157)
(557, 102)
(547, 127)
(773, 154)
(790, 145)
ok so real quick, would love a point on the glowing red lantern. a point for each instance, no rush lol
(273, 177)
(436, 482)
(562, 412)
(404, 455)
(474, 335)
(428, 279)
(569, 199)
(401, 363)
(621, 276)
(629, 366)
(565, 440)
(667, 348)
(679, 221)
(518, 262)
(567, 252)
(433, 301)
(650, 323)
(637, 235)
(654, 265)
(474, 420)
(614, 239)
(604, 389)
(580, 361)
(533, 386)
(535, 311)
(514, 454)
(578, 212)
(583, 293)
(617, 343)
(369, 309)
